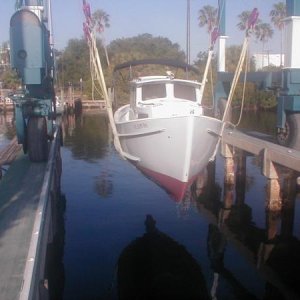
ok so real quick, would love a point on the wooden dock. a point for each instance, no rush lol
(28, 195)
(281, 167)
(235, 146)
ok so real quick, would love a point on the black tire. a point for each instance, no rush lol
(37, 140)
(221, 109)
(289, 136)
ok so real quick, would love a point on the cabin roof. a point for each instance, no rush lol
(157, 61)
(162, 79)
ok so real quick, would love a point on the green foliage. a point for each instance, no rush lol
(100, 20)
(266, 100)
(73, 62)
(208, 16)
(136, 48)
(254, 98)
(10, 80)
(243, 20)
(264, 32)
(143, 46)
(278, 14)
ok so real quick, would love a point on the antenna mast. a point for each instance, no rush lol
(188, 32)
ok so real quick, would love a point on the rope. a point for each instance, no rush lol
(98, 72)
(210, 53)
(232, 90)
(243, 96)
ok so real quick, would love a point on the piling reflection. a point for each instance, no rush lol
(155, 266)
(54, 268)
(273, 250)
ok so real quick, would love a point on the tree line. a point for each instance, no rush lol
(73, 66)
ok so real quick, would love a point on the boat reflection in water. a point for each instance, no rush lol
(179, 190)
(245, 251)
(155, 266)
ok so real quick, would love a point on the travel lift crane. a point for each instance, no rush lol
(286, 81)
(32, 58)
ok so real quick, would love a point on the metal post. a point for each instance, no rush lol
(222, 37)
(292, 28)
(188, 32)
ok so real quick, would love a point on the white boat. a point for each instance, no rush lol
(164, 131)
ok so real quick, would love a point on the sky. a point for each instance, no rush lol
(166, 18)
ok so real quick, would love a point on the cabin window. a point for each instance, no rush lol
(186, 92)
(152, 91)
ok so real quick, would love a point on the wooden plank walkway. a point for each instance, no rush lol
(28, 195)
(19, 196)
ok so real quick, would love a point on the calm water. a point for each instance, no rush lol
(107, 201)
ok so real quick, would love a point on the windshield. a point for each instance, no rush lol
(153, 90)
(183, 91)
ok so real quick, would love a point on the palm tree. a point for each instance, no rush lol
(277, 14)
(208, 16)
(244, 17)
(263, 33)
(100, 21)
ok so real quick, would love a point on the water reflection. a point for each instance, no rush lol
(55, 271)
(104, 184)
(155, 266)
(86, 135)
(194, 191)
(273, 250)
(245, 251)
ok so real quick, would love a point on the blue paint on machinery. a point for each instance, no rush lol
(32, 58)
(285, 83)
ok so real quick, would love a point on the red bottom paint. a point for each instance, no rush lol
(173, 186)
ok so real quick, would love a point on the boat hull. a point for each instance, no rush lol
(170, 150)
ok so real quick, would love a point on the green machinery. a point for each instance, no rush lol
(32, 58)
(286, 82)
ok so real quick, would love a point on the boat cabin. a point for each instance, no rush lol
(163, 95)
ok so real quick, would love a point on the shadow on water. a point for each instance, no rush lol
(155, 266)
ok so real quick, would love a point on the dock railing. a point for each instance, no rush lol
(34, 284)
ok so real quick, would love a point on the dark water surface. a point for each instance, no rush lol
(252, 254)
